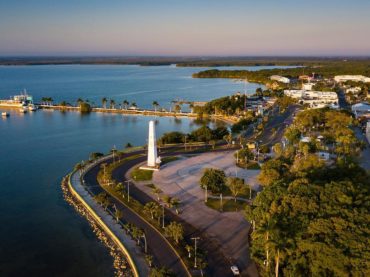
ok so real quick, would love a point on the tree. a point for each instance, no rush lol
(175, 202)
(85, 107)
(175, 231)
(177, 108)
(213, 180)
(212, 143)
(79, 167)
(244, 155)
(95, 155)
(112, 103)
(104, 102)
(125, 104)
(156, 191)
(119, 188)
(134, 105)
(118, 214)
(167, 200)
(189, 248)
(161, 272)
(203, 133)
(128, 145)
(155, 105)
(236, 186)
(149, 260)
(151, 208)
(229, 139)
(79, 102)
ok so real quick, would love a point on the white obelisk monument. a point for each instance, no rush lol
(152, 146)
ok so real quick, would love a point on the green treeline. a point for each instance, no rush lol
(326, 70)
(312, 218)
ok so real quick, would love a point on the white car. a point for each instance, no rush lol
(235, 270)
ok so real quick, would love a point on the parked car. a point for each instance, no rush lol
(235, 270)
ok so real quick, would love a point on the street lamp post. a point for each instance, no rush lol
(128, 190)
(162, 204)
(145, 245)
(221, 202)
(195, 250)
(206, 194)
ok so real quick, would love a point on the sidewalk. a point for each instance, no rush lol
(134, 251)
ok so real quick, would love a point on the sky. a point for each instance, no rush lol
(185, 27)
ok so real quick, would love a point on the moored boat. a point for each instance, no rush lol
(4, 114)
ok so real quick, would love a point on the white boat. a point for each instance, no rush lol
(17, 101)
(32, 107)
(4, 114)
(23, 110)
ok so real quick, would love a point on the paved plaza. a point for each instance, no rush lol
(181, 179)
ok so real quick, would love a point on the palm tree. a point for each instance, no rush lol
(117, 214)
(264, 230)
(78, 167)
(155, 105)
(175, 202)
(149, 260)
(189, 248)
(104, 102)
(157, 191)
(175, 231)
(112, 103)
(167, 200)
(125, 104)
(151, 208)
(279, 246)
(133, 104)
(79, 102)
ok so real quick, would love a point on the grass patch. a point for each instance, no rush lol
(141, 175)
(229, 205)
(151, 186)
(169, 159)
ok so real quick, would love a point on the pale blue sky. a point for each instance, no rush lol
(191, 27)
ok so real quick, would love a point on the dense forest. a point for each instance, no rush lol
(323, 69)
(312, 217)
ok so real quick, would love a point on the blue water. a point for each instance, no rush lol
(40, 234)
(139, 84)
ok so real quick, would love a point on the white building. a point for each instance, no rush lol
(307, 86)
(315, 99)
(280, 79)
(355, 78)
(353, 90)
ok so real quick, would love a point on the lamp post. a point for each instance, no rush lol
(162, 204)
(195, 250)
(206, 195)
(128, 190)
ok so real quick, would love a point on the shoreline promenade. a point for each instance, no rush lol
(129, 248)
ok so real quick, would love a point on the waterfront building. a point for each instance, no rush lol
(280, 79)
(314, 99)
(355, 78)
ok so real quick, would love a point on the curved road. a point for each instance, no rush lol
(218, 265)
(157, 245)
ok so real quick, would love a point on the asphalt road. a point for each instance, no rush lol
(278, 122)
(157, 245)
(218, 265)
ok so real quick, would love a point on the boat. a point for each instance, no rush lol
(18, 101)
(32, 107)
(23, 110)
(4, 114)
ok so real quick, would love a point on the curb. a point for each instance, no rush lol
(104, 226)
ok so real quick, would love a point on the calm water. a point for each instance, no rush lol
(40, 234)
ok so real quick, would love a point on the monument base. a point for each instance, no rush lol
(152, 168)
